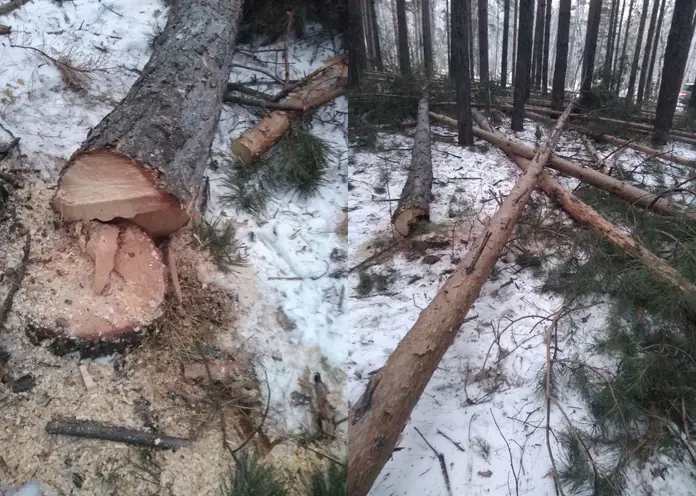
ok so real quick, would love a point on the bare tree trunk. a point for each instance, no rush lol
(636, 52)
(448, 30)
(472, 54)
(381, 413)
(461, 20)
(615, 46)
(547, 39)
(524, 56)
(559, 73)
(606, 70)
(483, 40)
(622, 60)
(506, 41)
(538, 45)
(593, 19)
(653, 56)
(378, 64)
(514, 44)
(646, 55)
(676, 52)
(358, 53)
(414, 203)
(404, 56)
(427, 40)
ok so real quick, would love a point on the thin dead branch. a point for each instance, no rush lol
(16, 282)
(441, 458)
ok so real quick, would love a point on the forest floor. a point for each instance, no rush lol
(281, 312)
(483, 409)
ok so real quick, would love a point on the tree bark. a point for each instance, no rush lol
(378, 64)
(615, 47)
(593, 20)
(472, 57)
(514, 44)
(483, 41)
(506, 41)
(653, 56)
(524, 56)
(145, 160)
(636, 52)
(404, 56)
(547, 40)
(623, 190)
(676, 52)
(606, 70)
(427, 40)
(559, 72)
(380, 415)
(646, 149)
(622, 60)
(414, 203)
(646, 55)
(358, 52)
(461, 18)
(538, 45)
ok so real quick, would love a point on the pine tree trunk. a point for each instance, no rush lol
(622, 60)
(367, 30)
(615, 45)
(414, 203)
(358, 52)
(547, 39)
(538, 45)
(606, 70)
(404, 57)
(636, 52)
(378, 64)
(676, 52)
(593, 20)
(483, 41)
(461, 19)
(559, 73)
(653, 56)
(448, 30)
(382, 412)
(506, 41)
(146, 159)
(524, 58)
(427, 40)
(514, 44)
(472, 57)
(646, 55)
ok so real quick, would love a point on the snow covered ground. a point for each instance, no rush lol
(289, 249)
(483, 408)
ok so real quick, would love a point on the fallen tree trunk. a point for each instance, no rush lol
(414, 203)
(381, 413)
(645, 149)
(145, 160)
(316, 90)
(628, 192)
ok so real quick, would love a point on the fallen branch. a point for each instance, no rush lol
(93, 430)
(19, 272)
(646, 149)
(440, 458)
(263, 104)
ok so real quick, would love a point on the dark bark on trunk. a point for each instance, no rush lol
(448, 30)
(594, 17)
(470, 35)
(404, 57)
(483, 40)
(538, 45)
(653, 56)
(461, 18)
(514, 44)
(606, 71)
(414, 203)
(559, 73)
(357, 58)
(427, 40)
(617, 42)
(547, 40)
(676, 52)
(524, 58)
(622, 60)
(379, 66)
(506, 41)
(646, 54)
(168, 119)
(636, 53)
(93, 430)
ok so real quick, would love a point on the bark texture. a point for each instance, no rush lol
(483, 40)
(375, 35)
(414, 203)
(547, 41)
(646, 55)
(461, 18)
(356, 36)
(538, 44)
(524, 58)
(166, 123)
(593, 19)
(622, 60)
(404, 55)
(380, 415)
(427, 40)
(506, 42)
(606, 71)
(559, 71)
(653, 56)
(630, 93)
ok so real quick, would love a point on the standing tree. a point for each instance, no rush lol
(374, 32)
(593, 18)
(559, 73)
(524, 58)
(606, 70)
(636, 52)
(514, 44)
(358, 53)
(653, 56)
(472, 62)
(547, 40)
(506, 31)
(622, 60)
(461, 18)
(676, 52)
(483, 40)
(617, 39)
(427, 40)
(404, 58)
(538, 44)
(646, 55)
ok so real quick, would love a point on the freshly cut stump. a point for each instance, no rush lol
(145, 160)
(100, 283)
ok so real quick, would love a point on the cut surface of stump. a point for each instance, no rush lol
(60, 295)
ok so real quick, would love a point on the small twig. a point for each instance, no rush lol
(479, 252)
(110, 9)
(512, 465)
(57, 61)
(686, 424)
(263, 104)
(441, 459)
(216, 401)
(263, 419)
(552, 327)
(458, 445)
(16, 283)
(171, 261)
(261, 71)
(287, 48)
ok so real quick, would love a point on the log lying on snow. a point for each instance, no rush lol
(628, 192)
(317, 89)
(381, 413)
(646, 149)
(145, 160)
(416, 195)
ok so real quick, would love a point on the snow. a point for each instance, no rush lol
(492, 372)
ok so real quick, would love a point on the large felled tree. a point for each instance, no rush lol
(559, 73)
(524, 58)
